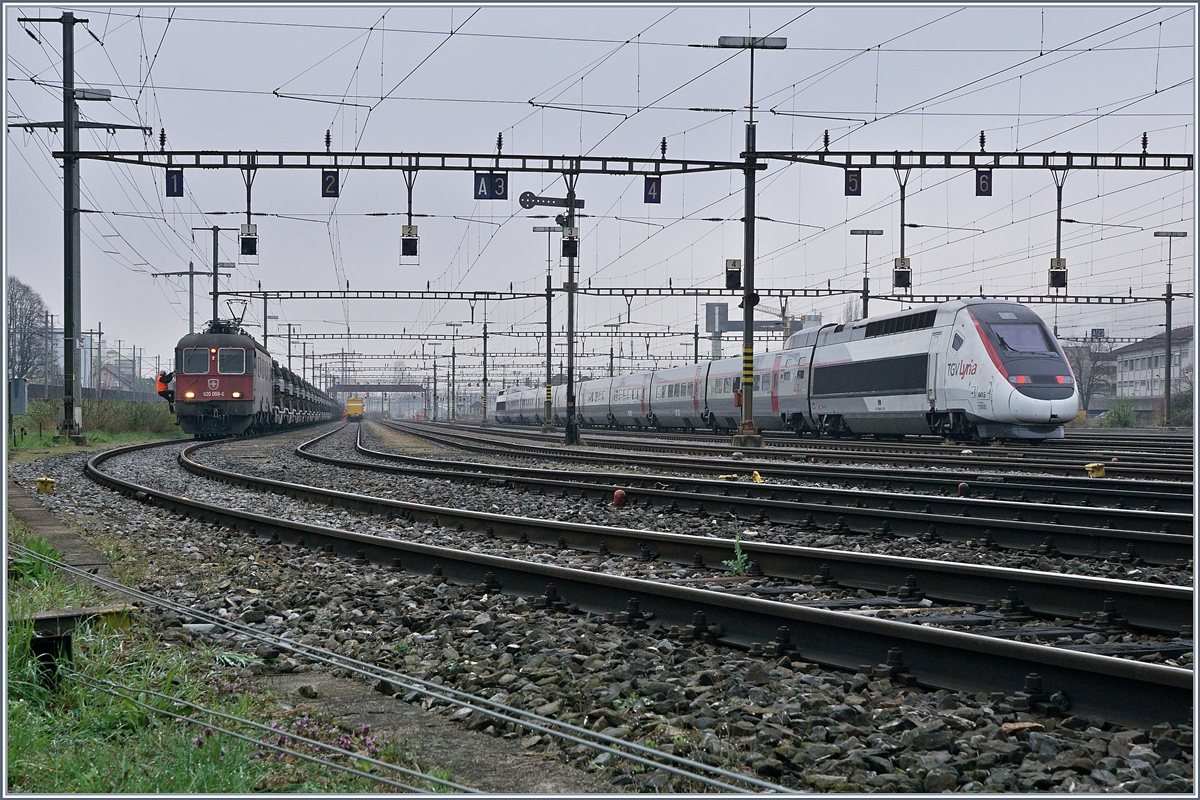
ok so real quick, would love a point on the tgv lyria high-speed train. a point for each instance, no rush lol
(968, 369)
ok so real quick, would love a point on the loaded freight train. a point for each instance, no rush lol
(226, 384)
(967, 369)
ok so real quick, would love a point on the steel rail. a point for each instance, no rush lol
(1157, 548)
(1152, 606)
(498, 711)
(1177, 494)
(1126, 692)
(1058, 448)
(1015, 462)
(786, 502)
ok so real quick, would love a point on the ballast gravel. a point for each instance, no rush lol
(783, 719)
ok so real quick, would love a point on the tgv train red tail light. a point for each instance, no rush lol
(1065, 380)
(1019, 380)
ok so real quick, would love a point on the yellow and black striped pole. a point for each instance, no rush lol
(749, 297)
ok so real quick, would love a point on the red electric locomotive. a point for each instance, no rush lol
(226, 384)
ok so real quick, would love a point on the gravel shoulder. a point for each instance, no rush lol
(784, 719)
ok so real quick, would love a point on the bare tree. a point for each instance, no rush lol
(28, 334)
(1094, 369)
(851, 310)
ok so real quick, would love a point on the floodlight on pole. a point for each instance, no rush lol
(1170, 236)
(866, 290)
(747, 435)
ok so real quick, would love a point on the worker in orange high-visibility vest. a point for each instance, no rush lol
(163, 387)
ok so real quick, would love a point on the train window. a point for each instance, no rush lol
(1026, 338)
(195, 361)
(785, 377)
(957, 343)
(231, 361)
(800, 375)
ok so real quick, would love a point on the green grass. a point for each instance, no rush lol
(104, 423)
(74, 738)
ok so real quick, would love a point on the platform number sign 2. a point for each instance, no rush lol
(491, 185)
(329, 183)
(653, 192)
(983, 183)
(854, 183)
(174, 183)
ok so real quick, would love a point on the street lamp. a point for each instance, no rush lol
(866, 234)
(747, 435)
(612, 328)
(548, 229)
(453, 357)
(1170, 236)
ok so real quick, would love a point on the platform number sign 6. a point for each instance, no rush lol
(653, 193)
(983, 183)
(174, 183)
(854, 183)
(329, 183)
(491, 185)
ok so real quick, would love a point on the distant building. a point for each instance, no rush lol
(1141, 366)
(1141, 369)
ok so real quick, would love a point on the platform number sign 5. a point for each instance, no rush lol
(653, 193)
(491, 185)
(174, 183)
(983, 183)
(329, 183)
(854, 183)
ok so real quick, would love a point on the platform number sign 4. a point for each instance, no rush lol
(174, 183)
(329, 183)
(983, 183)
(854, 183)
(653, 193)
(491, 185)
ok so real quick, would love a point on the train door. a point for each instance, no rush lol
(932, 378)
(775, 384)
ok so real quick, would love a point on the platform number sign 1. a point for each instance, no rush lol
(329, 183)
(983, 183)
(174, 183)
(491, 185)
(653, 192)
(854, 183)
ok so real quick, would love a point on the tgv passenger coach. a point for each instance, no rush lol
(968, 369)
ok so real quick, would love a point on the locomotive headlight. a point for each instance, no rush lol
(239, 394)
(1019, 380)
(189, 395)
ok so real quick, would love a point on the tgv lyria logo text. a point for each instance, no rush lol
(962, 369)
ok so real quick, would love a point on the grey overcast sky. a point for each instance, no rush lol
(609, 81)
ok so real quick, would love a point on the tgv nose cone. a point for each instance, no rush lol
(1029, 409)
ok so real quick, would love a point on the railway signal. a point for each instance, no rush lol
(249, 240)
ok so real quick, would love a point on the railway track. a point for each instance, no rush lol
(1169, 450)
(1072, 530)
(1120, 690)
(1149, 467)
(1087, 497)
